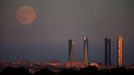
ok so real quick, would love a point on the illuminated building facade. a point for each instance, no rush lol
(119, 50)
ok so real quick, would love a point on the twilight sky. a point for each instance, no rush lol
(59, 20)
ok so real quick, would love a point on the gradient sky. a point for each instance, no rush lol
(59, 20)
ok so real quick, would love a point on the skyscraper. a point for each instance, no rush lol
(107, 52)
(71, 49)
(119, 50)
(85, 50)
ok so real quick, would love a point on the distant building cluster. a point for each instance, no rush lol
(71, 63)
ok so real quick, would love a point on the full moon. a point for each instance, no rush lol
(25, 15)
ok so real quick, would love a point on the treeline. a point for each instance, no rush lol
(85, 71)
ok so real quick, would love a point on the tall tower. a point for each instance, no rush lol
(71, 48)
(107, 52)
(85, 50)
(119, 52)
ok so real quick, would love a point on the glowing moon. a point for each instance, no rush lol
(25, 15)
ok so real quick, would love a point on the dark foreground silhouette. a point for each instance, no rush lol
(15, 71)
(85, 71)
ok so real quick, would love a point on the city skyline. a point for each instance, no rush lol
(107, 52)
(39, 30)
